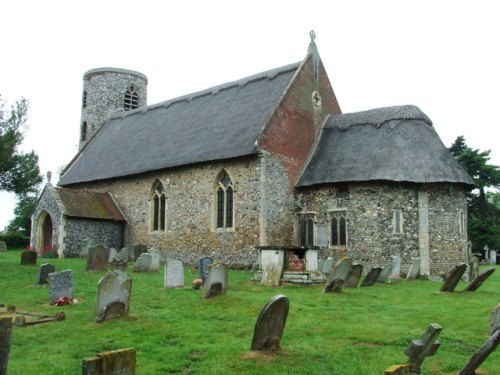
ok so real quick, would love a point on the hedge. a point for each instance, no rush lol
(15, 241)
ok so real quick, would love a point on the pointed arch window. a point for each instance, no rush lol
(158, 207)
(306, 227)
(338, 228)
(131, 99)
(224, 199)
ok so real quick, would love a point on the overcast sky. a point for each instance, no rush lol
(442, 56)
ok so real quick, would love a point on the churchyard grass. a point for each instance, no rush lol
(177, 331)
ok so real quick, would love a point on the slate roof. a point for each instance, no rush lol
(88, 204)
(390, 144)
(218, 123)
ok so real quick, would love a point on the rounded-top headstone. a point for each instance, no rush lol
(270, 324)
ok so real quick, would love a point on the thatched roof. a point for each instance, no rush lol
(218, 123)
(388, 144)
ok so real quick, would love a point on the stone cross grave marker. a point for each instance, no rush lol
(216, 281)
(384, 274)
(354, 275)
(451, 281)
(174, 274)
(60, 285)
(28, 258)
(203, 264)
(97, 259)
(473, 268)
(115, 362)
(481, 355)
(327, 266)
(414, 269)
(371, 276)
(395, 273)
(5, 339)
(43, 275)
(427, 346)
(271, 276)
(495, 319)
(270, 324)
(338, 275)
(3, 246)
(155, 259)
(113, 296)
(478, 281)
(142, 263)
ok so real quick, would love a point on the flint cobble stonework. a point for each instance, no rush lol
(47, 205)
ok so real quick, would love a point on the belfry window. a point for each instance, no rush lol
(158, 207)
(338, 228)
(83, 134)
(224, 201)
(306, 227)
(84, 100)
(131, 99)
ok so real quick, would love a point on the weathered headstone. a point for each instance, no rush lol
(115, 362)
(270, 324)
(395, 273)
(43, 275)
(493, 256)
(371, 276)
(87, 245)
(216, 281)
(155, 259)
(174, 274)
(113, 296)
(453, 278)
(327, 266)
(473, 268)
(97, 259)
(427, 346)
(203, 264)
(125, 254)
(60, 285)
(28, 258)
(414, 269)
(354, 275)
(384, 274)
(481, 355)
(113, 254)
(338, 275)
(478, 281)
(142, 263)
(5, 339)
(271, 276)
(495, 319)
(3, 246)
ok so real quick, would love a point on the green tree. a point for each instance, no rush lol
(22, 214)
(19, 172)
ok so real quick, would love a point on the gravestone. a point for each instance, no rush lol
(453, 278)
(271, 276)
(97, 259)
(142, 263)
(401, 370)
(473, 268)
(478, 281)
(427, 346)
(113, 296)
(414, 269)
(3, 246)
(338, 275)
(495, 320)
(395, 273)
(113, 254)
(118, 265)
(88, 243)
(493, 256)
(5, 340)
(216, 281)
(384, 274)
(327, 266)
(354, 275)
(174, 274)
(371, 276)
(115, 362)
(481, 355)
(138, 250)
(28, 258)
(270, 324)
(60, 285)
(321, 263)
(155, 259)
(125, 254)
(203, 264)
(43, 275)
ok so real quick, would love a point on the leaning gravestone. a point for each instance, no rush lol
(5, 339)
(3, 246)
(453, 278)
(43, 275)
(115, 362)
(174, 274)
(113, 296)
(481, 355)
(155, 259)
(495, 320)
(142, 263)
(413, 270)
(60, 285)
(203, 264)
(97, 259)
(473, 268)
(354, 276)
(28, 258)
(338, 275)
(216, 281)
(270, 324)
(395, 273)
(384, 274)
(371, 276)
(478, 281)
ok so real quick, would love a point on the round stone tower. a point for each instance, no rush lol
(106, 91)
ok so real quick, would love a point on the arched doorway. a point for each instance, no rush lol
(45, 232)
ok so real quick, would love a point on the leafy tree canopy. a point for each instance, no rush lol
(22, 214)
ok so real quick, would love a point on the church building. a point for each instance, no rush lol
(265, 161)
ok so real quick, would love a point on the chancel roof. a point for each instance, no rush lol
(218, 123)
(388, 144)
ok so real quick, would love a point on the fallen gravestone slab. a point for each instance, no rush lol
(338, 275)
(115, 362)
(5, 340)
(478, 281)
(481, 355)
(113, 296)
(216, 281)
(453, 278)
(60, 285)
(43, 275)
(371, 276)
(174, 274)
(352, 279)
(270, 324)
(28, 258)
(97, 259)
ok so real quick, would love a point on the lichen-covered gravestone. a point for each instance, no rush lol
(354, 276)
(270, 324)
(97, 259)
(414, 269)
(271, 276)
(142, 263)
(60, 285)
(155, 259)
(395, 273)
(473, 268)
(203, 264)
(43, 275)
(338, 275)
(174, 274)
(113, 296)
(371, 276)
(115, 362)
(28, 258)
(216, 282)
(451, 281)
(5, 339)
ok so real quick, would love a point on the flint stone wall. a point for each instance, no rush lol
(47, 204)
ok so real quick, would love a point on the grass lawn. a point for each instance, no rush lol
(358, 331)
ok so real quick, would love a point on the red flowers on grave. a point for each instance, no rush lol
(61, 301)
(197, 283)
